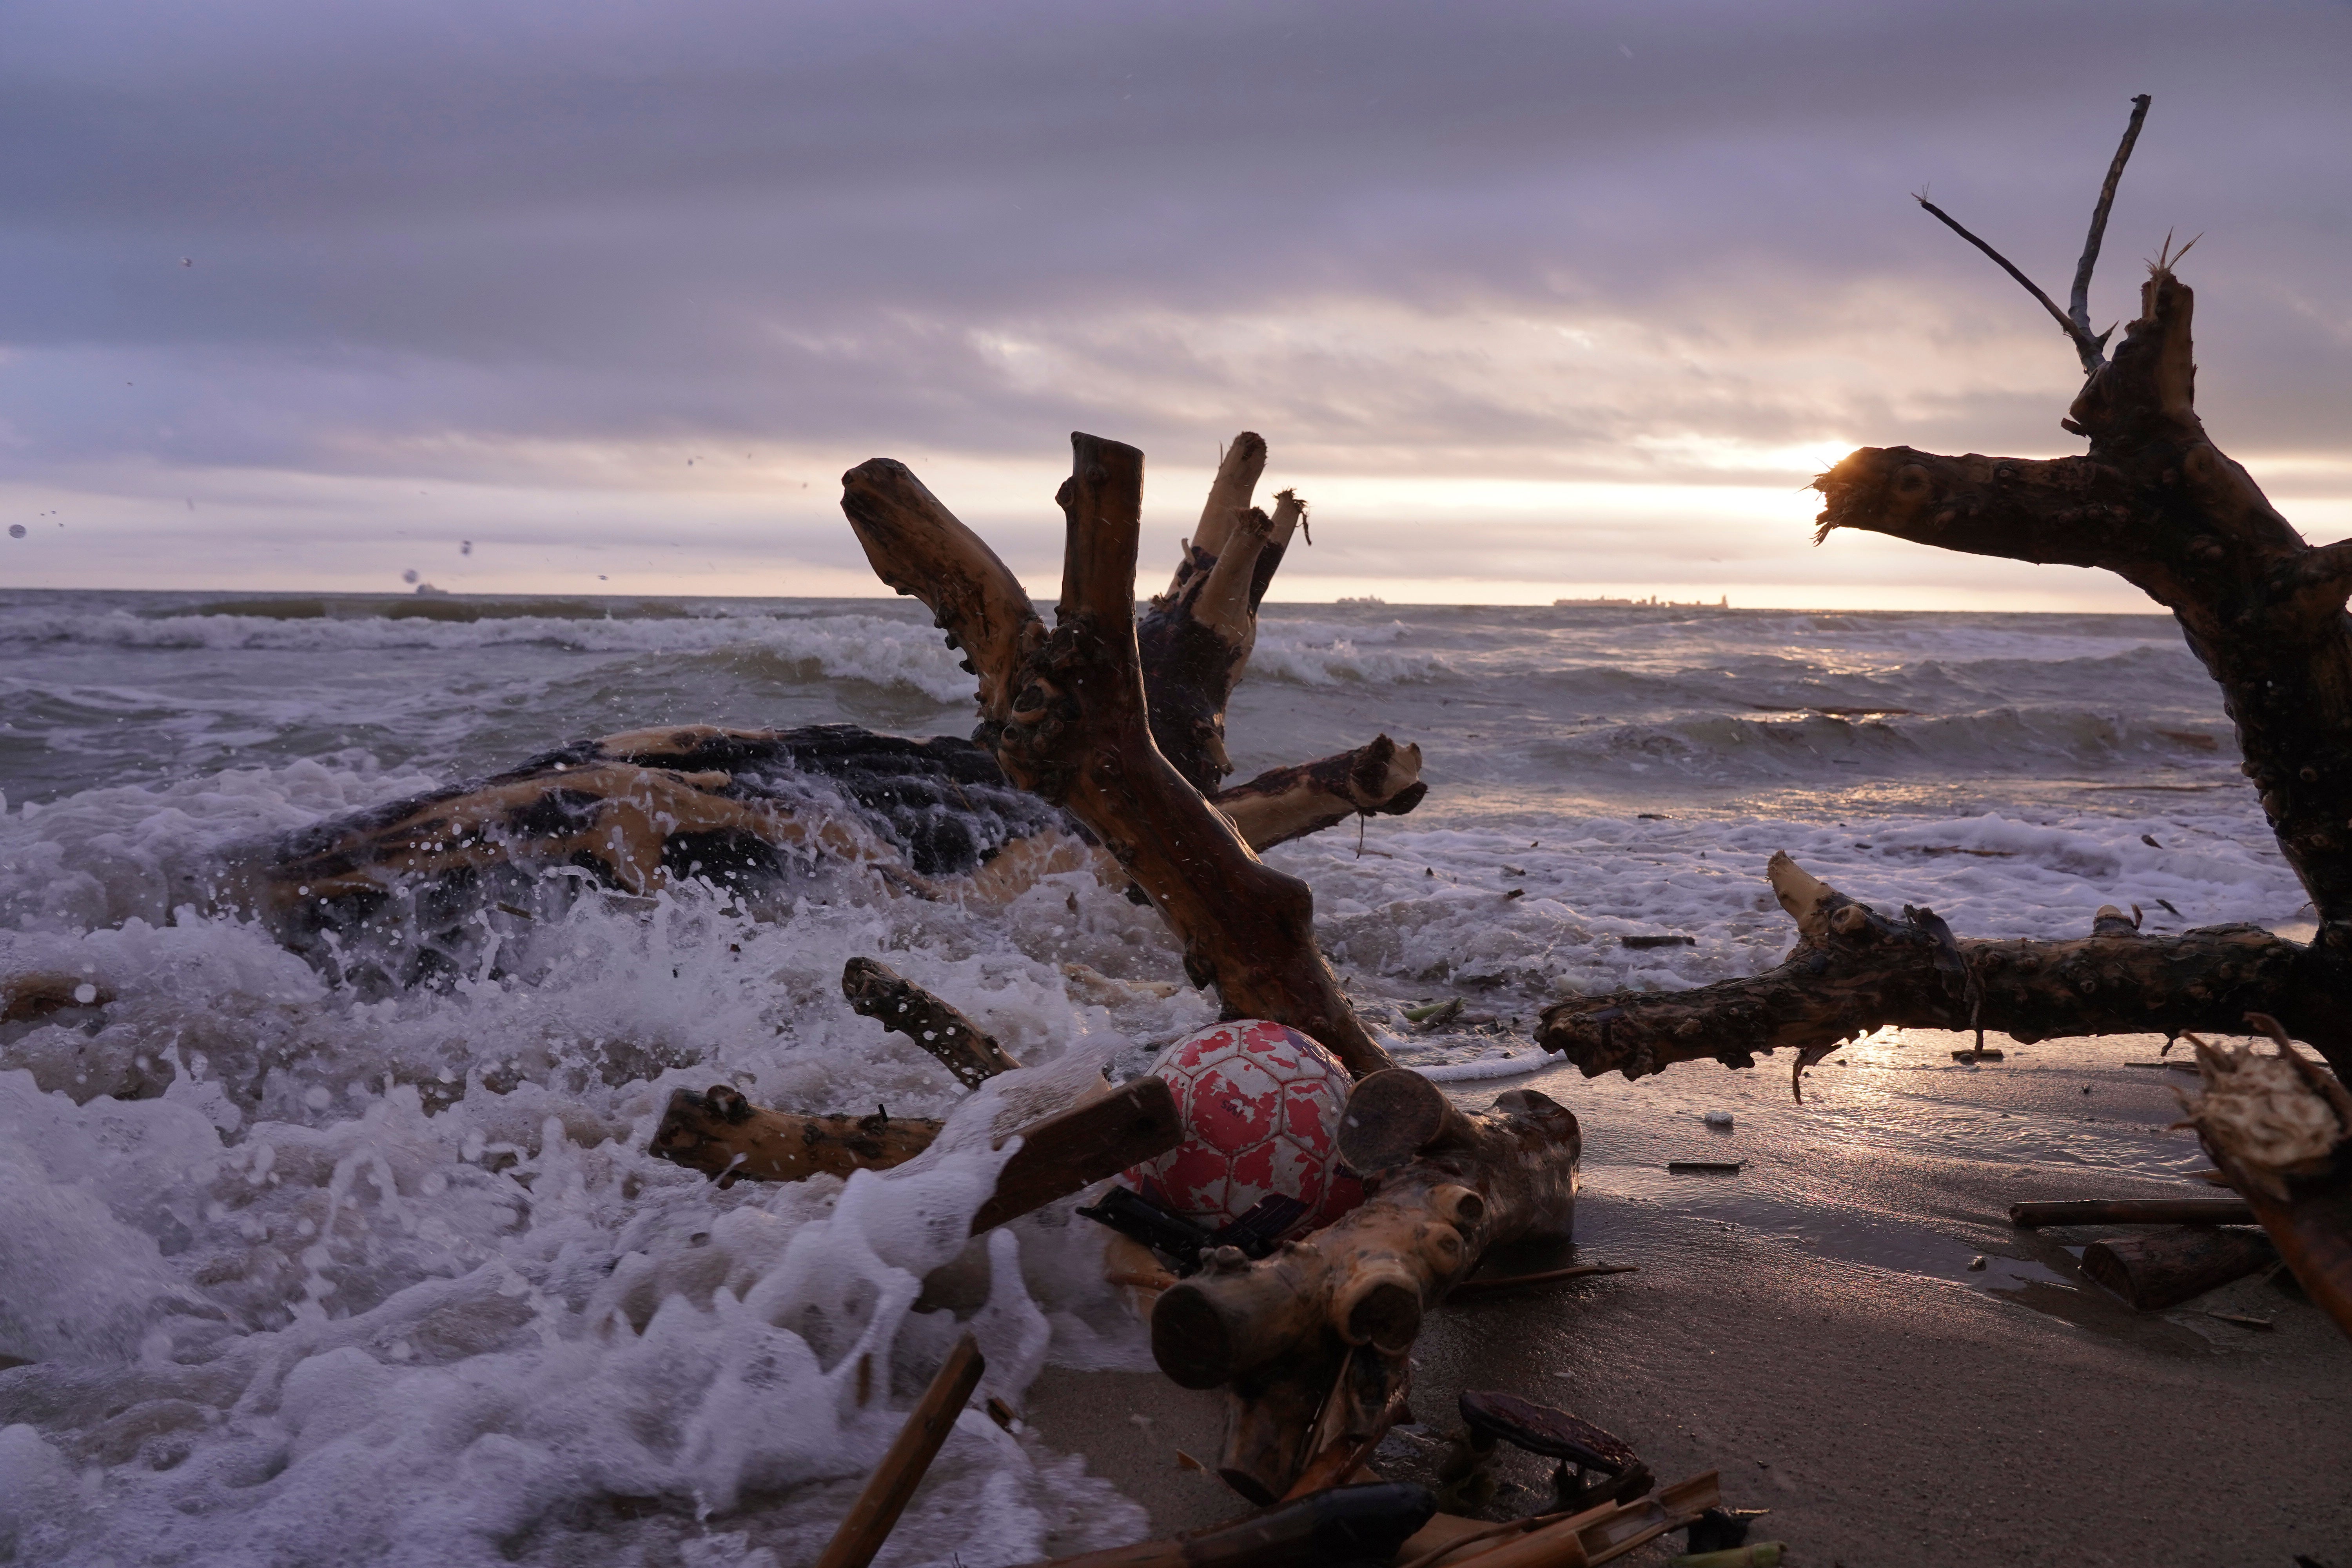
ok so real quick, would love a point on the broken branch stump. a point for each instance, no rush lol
(2279, 1131)
(722, 1134)
(2166, 1267)
(893, 1483)
(876, 991)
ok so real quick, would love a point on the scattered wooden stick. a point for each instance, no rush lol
(722, 1134)
(1343, 1525)
(1605, 1533)
(2163, 1269)
(876, 991)
(1543, 1277)
(2133, 1211)
(1718, 1167)
(888, 1490)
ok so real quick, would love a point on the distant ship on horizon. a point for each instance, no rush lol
(1651, 603)
(1364, 599)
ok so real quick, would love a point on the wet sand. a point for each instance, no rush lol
(1811, 1329)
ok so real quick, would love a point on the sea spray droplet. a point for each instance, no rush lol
(16, 531)
(409, 575)
(85, 994)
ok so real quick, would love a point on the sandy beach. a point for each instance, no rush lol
(1811, 1330)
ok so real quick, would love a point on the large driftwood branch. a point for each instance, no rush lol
(1855, 969)
(2155, 501)
(1382, 779)
(1065, 714)
(1341, 1305)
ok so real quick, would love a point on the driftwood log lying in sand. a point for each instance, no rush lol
(2279, 1131)
(1065, 714)
(2157, 503)
(1855, 969)
(1336, 1312)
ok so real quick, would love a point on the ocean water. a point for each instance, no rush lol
(296, 1275)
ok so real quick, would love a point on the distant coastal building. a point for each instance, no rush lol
(1651, 603)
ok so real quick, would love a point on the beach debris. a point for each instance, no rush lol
(1184, 1240)
(2163, 1269)
(876, 1512)
(1762, 1554)
(1433, 1014)
(1327, 1324)
(1721, 1528)
(2279, 1127)
(876, 991)
(2240, 1320)
(1976, 1264)
(1335, 1528)
(1973, 1055)
(1666, 941)
(723, 1135)
(1704, 1167)
(2132, 1211)
(1717, 1119)
(1478, 1283)
(1497, 1418)
(37, 994)
(1599, 1534)
(1855, 969)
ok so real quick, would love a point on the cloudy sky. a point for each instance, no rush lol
(1529, 300)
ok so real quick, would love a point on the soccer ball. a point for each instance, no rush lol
(1261, 1106)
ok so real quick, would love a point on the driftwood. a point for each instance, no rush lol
(1336, 1312)
(2155, 501)
(1596, 1535)
(403, 891)
(2279, 1131)
(893, 1483)
(1066, 715)
(2133, 1211)
(721, 1134)
(2165, 1268)
(1336, 1528)
(876, 991)
(1855, 969)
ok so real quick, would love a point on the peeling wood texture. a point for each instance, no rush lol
(1338, 1309)
(2279, 1131)
(1855, 969)
(1065, 714)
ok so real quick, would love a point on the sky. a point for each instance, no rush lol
(1529, 299)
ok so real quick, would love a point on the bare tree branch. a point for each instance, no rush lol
(2089, 347)
(2081, 340)
(2078, 307)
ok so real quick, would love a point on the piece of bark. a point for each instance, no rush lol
(2133, 1211)
(1278, 1330)
(876, 991)
(1335, 1528)
(1366, 1399)
(2165, 1268)
(887, 1492)
(1381, 779)
(1065, 714)
(1547, 1430)
(1855, 969)
(2279, 1131)
(722, 1134)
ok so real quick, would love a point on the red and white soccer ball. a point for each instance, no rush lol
(1261, 1104)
